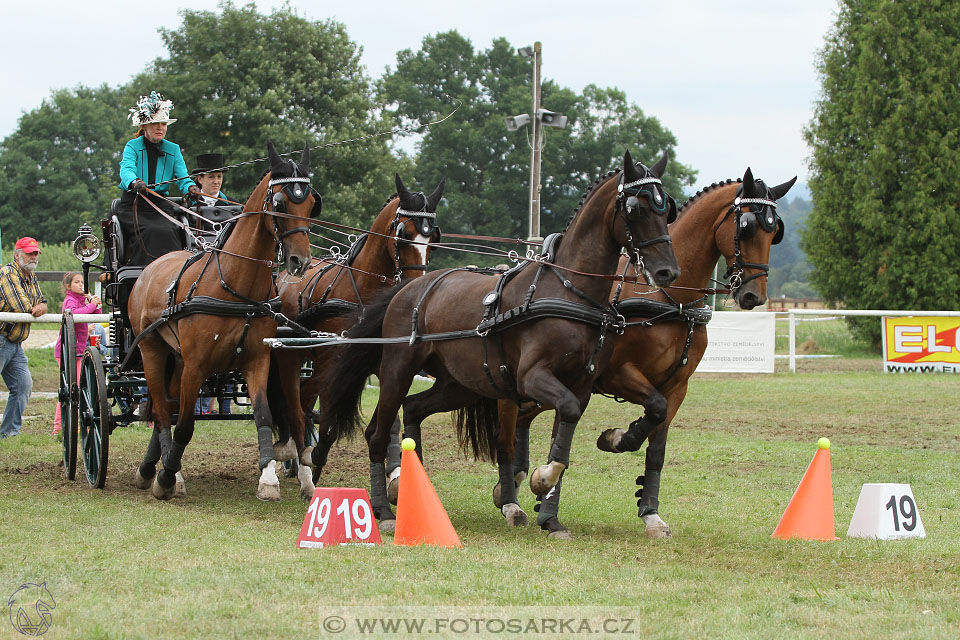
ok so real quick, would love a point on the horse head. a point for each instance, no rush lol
(414, 228)
(646, 209)
(289, 194)
(755, 227)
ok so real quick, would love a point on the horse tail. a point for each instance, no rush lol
(355, 362)
(478, 426)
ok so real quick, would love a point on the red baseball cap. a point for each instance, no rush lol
(28, 245)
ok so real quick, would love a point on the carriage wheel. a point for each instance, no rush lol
(95, 420)
(67, 394)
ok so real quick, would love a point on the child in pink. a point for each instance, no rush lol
(78, 302)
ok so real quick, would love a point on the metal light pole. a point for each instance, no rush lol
(534, 229)
(541, 118)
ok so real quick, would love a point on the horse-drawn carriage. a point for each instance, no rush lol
(101, 395)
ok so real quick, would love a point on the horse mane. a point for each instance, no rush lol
(707, 189)
(596, 184)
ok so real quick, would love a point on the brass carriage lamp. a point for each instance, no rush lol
(86, 248)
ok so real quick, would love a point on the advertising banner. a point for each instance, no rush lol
(923, 344)
(740, 342)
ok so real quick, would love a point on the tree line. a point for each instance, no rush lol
(284, 78)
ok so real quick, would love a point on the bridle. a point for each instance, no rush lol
(628, 203)
(745, 227)
(295, 189)
(426, 222)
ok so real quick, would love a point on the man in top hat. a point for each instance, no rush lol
(209, 175)
(19, 293)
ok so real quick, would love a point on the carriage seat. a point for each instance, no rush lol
(206, 231)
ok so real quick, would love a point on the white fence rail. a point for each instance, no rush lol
(6, 316)
(879, 313)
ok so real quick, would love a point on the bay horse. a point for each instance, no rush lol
(660, 349)
(197, 315)
(535, 332)
(332, 294)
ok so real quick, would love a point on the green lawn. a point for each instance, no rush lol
(222, 564)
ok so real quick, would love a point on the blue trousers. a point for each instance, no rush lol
(16, 375)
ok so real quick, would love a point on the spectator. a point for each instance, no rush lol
(19, 293)
(78, 301)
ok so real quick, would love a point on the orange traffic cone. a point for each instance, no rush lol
(810, 513)
(421, 518)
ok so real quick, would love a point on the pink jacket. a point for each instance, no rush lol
(75, 302)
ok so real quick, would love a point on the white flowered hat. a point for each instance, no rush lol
(152, 108)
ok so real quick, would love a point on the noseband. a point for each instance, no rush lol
(747, 226)
(629, 203)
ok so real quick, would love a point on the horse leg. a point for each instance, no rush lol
(255, 371)
(521, 457)
(394, 452)
(505, 493)
(148, 468)
(283, 390)
(649, 493)
(397, 369)
(173, 445)
(445, 395)
(548, 506)
(631, 384)
(541, 385)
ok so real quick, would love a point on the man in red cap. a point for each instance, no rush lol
(19, 293)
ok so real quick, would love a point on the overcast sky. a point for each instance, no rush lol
(733, 80)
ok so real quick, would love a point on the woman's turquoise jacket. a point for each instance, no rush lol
(170, 165)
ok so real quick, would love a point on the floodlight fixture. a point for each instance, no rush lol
(551, 119)
(526, 52)
(516, 122)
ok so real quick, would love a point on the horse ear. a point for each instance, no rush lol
(781, 189)
(434, 198)
(401, 190)
(750, 185)
(657, 169)
(630, 172)
(275, 159)
(305, 160)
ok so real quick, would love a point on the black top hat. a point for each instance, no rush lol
(209, 162)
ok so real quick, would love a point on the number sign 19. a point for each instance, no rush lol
(886, 511)
(337, 516)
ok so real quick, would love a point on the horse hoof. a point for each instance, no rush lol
(141, 481)
(284, 451)
(496, 496)
(656, 527)
(159, 492)
(179, 487)
(305, 475)
(307, 456)
(556, 530)
(393, 486)
(388, 526)
(514, 515)
(609, 440)
(545, 477)
(268, 492)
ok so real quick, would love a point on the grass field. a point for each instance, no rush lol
(220, 564)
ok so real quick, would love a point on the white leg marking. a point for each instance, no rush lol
(656, 527)
(269, 487)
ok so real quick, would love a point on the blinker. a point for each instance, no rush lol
(278, 202)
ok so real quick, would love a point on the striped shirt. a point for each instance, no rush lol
(19, 292)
